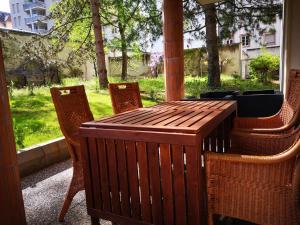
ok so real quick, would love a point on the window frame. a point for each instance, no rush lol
(269, 43)
(245, 43)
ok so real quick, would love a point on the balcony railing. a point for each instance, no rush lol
(35, 19)
(34, 4)
(40, 31)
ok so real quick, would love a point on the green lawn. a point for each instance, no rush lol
(35, 119)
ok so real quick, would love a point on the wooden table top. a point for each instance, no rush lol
(177, 116)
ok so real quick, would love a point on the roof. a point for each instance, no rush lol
(4, 16)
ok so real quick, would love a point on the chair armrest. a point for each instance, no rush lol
(261, 144)
(259, 124)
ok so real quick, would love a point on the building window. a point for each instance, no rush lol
(245, 39)
(17, 5)
(114, 30)
(229, 42)
(269, 38)
(15, 21)
(19, 20)
(13, 8)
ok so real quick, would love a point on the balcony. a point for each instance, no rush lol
(35, 4)
(36, 18)
(40, 31)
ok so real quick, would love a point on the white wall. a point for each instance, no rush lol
(291, 37)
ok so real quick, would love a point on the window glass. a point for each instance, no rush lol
(13, 8)
(17, 7)
(15, 21)
(269, 38)
(245, 40)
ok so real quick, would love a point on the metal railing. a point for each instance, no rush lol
(35, 18)
(34, 4)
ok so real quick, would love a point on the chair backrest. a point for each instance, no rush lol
(291, 105)
(125, 97)
(72, 110)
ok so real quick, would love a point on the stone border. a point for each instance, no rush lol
(37, 157)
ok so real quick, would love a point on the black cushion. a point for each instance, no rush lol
(260, 105)
(259, 92)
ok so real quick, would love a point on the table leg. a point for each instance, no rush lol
(95, 220)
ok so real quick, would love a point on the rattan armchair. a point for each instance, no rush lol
(284, 120)
(260, 183)
(125, 97)
(72, 110)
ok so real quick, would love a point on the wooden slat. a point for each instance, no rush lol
(158, 114)
(179, 185)
(183, 119)
(218, 105)
(133, 180)
(113, 176)
(121, 116)
(155, 185)
(227, 126)
(105, 187)
(201, 105)
(206, 144)
(213, 141)
(193, 178)
(123, 179)
(163, 118)
(220, 137)
(172, 119)
(144, 181)
(167, 183)
(87, 171)
(194, 119)
(95, 172)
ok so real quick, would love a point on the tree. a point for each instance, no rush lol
(74, 20)
(133, 19)
(136, 21)
(226, 17)
(212, 46)
(102, 72)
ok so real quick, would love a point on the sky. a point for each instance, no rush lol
(4, 5)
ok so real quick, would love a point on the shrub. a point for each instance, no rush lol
(264, 67)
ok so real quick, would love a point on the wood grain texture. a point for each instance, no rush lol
(11, 206)
(154, 162)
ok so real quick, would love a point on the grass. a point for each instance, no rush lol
(35, 119)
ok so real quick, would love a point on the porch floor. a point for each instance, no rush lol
(43, 194)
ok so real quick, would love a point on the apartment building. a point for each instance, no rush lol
(31, 15)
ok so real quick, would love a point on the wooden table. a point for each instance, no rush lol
(144, 166)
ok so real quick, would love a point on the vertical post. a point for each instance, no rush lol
(173, 45)
(11, 201)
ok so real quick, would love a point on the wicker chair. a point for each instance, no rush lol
(125, 97)
(72, 110)
(284, 120)
(260, 183)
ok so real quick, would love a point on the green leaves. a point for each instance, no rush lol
(265, 67)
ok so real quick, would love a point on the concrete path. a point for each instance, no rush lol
(44, 193)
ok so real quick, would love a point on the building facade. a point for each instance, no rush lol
(31, 15)
(255, 43)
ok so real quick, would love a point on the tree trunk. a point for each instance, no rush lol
(102, 72)
(124, 54)
(212, 46)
